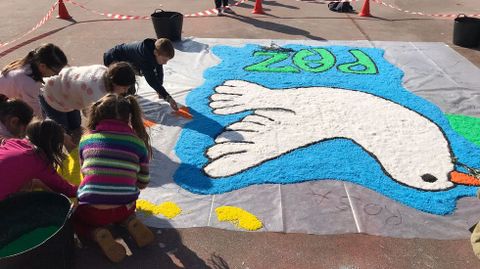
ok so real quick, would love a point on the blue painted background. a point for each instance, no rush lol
(335, 159)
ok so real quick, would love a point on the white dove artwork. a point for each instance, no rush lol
(283, 121)
(284, 115)
(315, 138)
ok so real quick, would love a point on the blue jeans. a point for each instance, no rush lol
(70, 121)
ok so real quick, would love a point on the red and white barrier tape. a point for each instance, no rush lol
(437, 15)
(40, 23)
(48, 16)
(110, 15)
(207, 12)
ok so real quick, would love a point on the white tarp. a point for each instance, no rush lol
(432, 70)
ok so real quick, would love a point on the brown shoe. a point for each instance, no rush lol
(111, 248)
(140, 233)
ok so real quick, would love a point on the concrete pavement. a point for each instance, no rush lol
(88, 35)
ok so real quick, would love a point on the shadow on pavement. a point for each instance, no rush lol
(277, 4)
(276, 27)
(49, 33)
(167, 252)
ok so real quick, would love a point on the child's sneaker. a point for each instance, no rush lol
(228, 10)
(111, 248)
(140, 233)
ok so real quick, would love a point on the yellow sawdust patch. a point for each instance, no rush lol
(71, 168)
(167, 209)
(239, 217)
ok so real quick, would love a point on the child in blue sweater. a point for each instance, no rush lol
(148, 57)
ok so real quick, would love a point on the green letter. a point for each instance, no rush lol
(363, 65)
(275, 57)
(326, 62)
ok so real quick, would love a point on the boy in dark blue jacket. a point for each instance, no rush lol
(148, 57)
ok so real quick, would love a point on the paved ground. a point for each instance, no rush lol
(86, 37)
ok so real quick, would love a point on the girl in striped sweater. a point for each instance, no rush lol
(114, 156)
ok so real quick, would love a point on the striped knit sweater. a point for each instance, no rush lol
(112, 160)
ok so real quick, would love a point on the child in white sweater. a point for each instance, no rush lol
(75, 88)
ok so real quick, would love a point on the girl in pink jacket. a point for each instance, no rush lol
(23, 161)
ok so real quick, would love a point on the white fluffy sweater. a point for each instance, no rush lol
(75, 88)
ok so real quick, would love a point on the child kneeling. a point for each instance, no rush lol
(29, 163)
(475, 237)
(114, 157)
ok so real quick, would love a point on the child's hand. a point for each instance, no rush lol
(141, 185)
(172, 103)
(68, 143)
(74, 203)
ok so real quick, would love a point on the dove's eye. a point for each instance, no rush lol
(429, 178)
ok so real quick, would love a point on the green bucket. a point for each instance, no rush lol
(36, 231)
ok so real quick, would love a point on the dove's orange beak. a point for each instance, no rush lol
(464, 179)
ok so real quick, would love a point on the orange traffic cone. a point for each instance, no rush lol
(365, 12)
(258, 9)
(62, 11)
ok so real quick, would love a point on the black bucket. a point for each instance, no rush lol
(168, 24)
(36, 231)
(466, 31)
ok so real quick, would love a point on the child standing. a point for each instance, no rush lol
(14, 117)
(148, 57)
(75, 88)
(218, 6)
(22, 161)
(23, 78)
(114, 157)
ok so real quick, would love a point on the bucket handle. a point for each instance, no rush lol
(175, 14)
(462, 15)
(73, 207)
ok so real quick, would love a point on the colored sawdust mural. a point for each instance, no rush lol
(283, 115)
